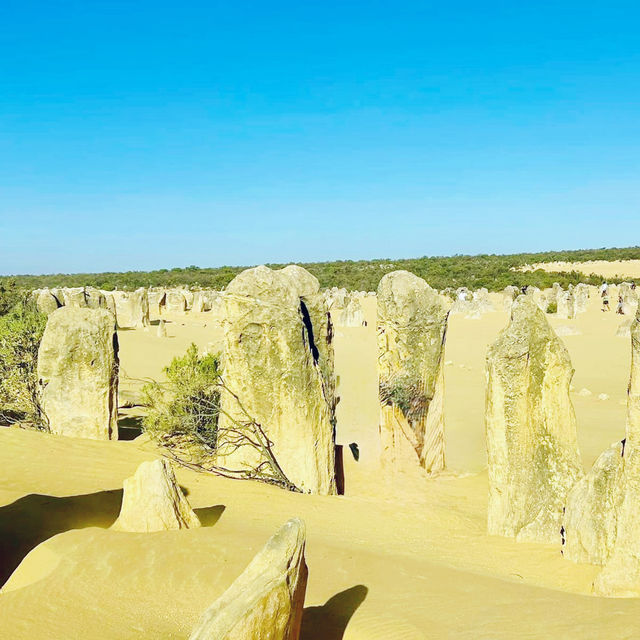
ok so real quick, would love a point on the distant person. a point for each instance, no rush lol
(633, 286)
(604, 289)
(605, 301)
(523, 290)
(620, 307)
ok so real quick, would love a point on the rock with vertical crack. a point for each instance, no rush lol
(412, 327)
(278, 367)
(533, 457)
(266, 601)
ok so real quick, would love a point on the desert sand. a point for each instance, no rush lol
(395, 557)
(604, 268)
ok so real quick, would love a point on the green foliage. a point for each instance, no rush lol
(552, 307)
(9, 295)
(494, 272)
(21, 330)
(405, 393)
(188, 404)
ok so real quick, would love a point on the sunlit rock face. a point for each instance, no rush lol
(621, 574)
(78, 373)
(412, 327)
(132, 308)
(533, 457)
(266, 601)
(278, 366)
(153, 501)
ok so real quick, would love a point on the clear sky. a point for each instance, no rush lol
(137, 135)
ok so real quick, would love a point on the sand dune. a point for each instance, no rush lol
(395, 557)
(605, 268)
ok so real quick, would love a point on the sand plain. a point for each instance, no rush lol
(397, 556)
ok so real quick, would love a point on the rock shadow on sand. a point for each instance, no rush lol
(208, 516)
(34, 518)
(329, 621)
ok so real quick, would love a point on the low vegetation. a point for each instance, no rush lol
(494, 272)
(21, 329)
(183, 415)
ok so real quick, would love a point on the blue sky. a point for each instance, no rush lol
(138, 135)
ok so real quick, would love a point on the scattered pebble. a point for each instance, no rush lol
(603, 396)
(584, 392)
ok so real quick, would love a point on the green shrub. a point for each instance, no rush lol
(405, 393)
(187, 405)
(552, 307)
(21, 330)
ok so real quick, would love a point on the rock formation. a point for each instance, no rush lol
(132, 308)
(153, 501)
(590, 520)
(278, 360)
(46, 302)
(412, 327)
(78, 373)
(267, 599)
(566, 305)
(94, 298)
(533, 457)
(162, 329)
(175, 301)
(621, 574)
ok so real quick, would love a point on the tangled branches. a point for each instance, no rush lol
(183, 415)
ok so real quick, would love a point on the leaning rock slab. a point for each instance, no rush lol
(533, 457)
(412, 327)
(78, 373)
(153, 501)
(266, 601)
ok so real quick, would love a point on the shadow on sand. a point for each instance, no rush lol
(30, 520)
(208, 516)
(27, 522)
(329, 621)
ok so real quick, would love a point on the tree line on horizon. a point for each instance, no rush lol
(492, 271)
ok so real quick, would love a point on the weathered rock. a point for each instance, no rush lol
(46, 302)
(94, 298)
(175, 301)
(74, 297)
(78, 373)
(621, 574)
(278, 360)
(509, 294)
(581, 296)
(153, 501)
(132, 308)
(566, 305)
(162, 329)
(412, 327)
(590, 519)
(533, 457)
(156, 299)
(266, 601)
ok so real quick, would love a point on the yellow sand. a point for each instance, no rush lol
(403, 557)
(605, 268)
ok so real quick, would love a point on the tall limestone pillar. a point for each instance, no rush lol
(78, 373)
(533, 457)
(278, 367)
(412, 327)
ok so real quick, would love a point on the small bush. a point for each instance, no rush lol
(405, 393)
(552, 307)
(188, 404)
(21, 330)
